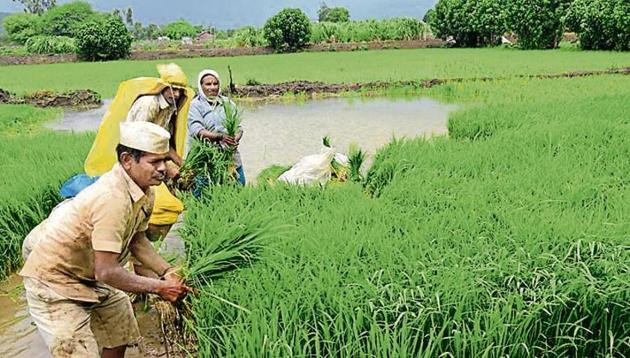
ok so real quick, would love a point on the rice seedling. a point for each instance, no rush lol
(233, 118)
(356, 157)
(27, 195)
(509, 244)
(205, 164)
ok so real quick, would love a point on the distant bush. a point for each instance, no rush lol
(537, 23)
(65, 20)
(249, 36)
(288, 30)
(102, 38)
(20, 27)
(51, 45)
(178, 29)
(403, 28)
(333, 14)
(601, 24)
(470, 23)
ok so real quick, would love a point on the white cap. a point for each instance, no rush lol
(145, 136)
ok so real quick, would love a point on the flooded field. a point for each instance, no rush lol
(282, 133)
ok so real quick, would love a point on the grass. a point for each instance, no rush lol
(17, 119)
(34, 162)
(362, 66)
(508, 238)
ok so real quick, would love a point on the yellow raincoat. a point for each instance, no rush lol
(102, 156)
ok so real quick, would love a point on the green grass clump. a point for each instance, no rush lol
(33, 169)
(508, 239)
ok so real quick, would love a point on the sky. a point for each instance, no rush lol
(228, 14)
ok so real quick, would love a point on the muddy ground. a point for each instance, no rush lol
(311, 88)
(199, 51)
(83, 99)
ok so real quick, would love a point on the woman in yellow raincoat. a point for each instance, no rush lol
(102, 156)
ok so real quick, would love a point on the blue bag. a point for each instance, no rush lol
(76, 184)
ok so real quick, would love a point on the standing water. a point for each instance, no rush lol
(281, 133)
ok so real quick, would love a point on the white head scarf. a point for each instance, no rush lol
(203, 74)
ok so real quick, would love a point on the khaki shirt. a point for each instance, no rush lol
(152, 108)
(103, 217)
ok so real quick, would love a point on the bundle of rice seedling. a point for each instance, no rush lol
(233, 118)
(211, 256)
(206, 163)
(356, 157)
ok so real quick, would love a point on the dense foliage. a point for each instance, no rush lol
(537, 23)
(470, 23)
(20, 27)
(51, 44)
(333, 14)
(103, 38)
(601, 24)
(402, 28)
(65, 20)
(178, 29)
(288, 30)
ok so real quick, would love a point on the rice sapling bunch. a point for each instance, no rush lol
(216, 246)
(205, 162)
(356, 157)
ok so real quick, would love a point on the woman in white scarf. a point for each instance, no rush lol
(207, 115)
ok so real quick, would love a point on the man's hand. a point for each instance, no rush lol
(172, 171)
(172, 291)
(229, 141)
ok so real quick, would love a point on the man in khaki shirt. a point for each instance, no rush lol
(73, 272)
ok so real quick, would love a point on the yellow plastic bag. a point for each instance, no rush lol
(102, 156)
(166, 208)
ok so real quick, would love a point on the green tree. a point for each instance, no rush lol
(152, 31)
(288, 30)
(129, 17)
(178, 29)
(537, 23)
(333, 14)
(64, 20)
(103, 37)
(36, 6)
(600, 24)
(21, 27)
(470, 23)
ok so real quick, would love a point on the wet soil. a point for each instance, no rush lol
(83, 99)
(199, 50)
(19, 337)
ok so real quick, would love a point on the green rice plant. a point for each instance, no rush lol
(510, 244)
(16, 119)
(271, 174)
(233, 118)
(27, 194)
(356, 157)
(206, 162)
(339, 67)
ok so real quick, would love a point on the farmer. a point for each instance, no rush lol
(163, 101)
(73, 272)
(207, 114)
(161, 109)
